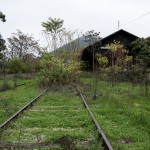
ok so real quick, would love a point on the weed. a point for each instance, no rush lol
(122, 112)
(6, 85)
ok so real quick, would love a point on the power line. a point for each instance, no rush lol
(136, 19)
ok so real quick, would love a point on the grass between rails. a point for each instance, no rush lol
(58, 114)
(122, 112)
(13, 100)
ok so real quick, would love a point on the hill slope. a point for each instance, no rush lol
(75, 44)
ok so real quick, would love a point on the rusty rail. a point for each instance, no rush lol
(21, 110)
(106, 143)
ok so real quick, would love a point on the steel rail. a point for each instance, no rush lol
(21, 110)
(106, 144)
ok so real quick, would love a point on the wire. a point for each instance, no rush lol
(136, 19)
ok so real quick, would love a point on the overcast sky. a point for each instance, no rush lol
(84, 15)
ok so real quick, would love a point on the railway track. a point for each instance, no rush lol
(53, 120)
(106, 144)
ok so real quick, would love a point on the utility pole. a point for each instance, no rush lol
(118, 24)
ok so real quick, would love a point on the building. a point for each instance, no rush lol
(121, 36)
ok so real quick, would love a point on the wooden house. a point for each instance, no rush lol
(121, 36)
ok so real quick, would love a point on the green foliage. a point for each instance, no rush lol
(16, 99)
(102, 60)
(26, 69)
(53, 25)
(121, 112)
(114, 70)
(2, 42)
(56, 114)
(63, 67)
(53, 71)
(53, 28)
(119, 62)
(116, 53)
(128, 59)
(141, 54)
(16, 66)
(6, 85)
(2, 46)
(141, 50)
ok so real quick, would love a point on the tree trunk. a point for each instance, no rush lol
(146, 84)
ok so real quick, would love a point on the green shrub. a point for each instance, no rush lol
(60, 68)
(6, 85)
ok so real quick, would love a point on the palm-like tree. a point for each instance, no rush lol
(53, 26)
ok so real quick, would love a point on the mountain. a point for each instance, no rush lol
(81, 41)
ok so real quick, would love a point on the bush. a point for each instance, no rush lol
(6, 85)
(16, 66)
(60, 68)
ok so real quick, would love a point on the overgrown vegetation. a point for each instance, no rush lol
(60, 68)
(119, 86)
(58, 117)
(13, 100)
(122, 112)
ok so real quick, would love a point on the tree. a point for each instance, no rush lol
(116, 55)
(52, 29)
(21, 44)
(92, 37)
(141, 54)
(59, 68)
(102, 63)
(2, 46)
(2, 41)
(2, 17)
(141, 50)
(16, 66)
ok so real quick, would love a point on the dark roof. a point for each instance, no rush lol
(119, 31)
(122, 36)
